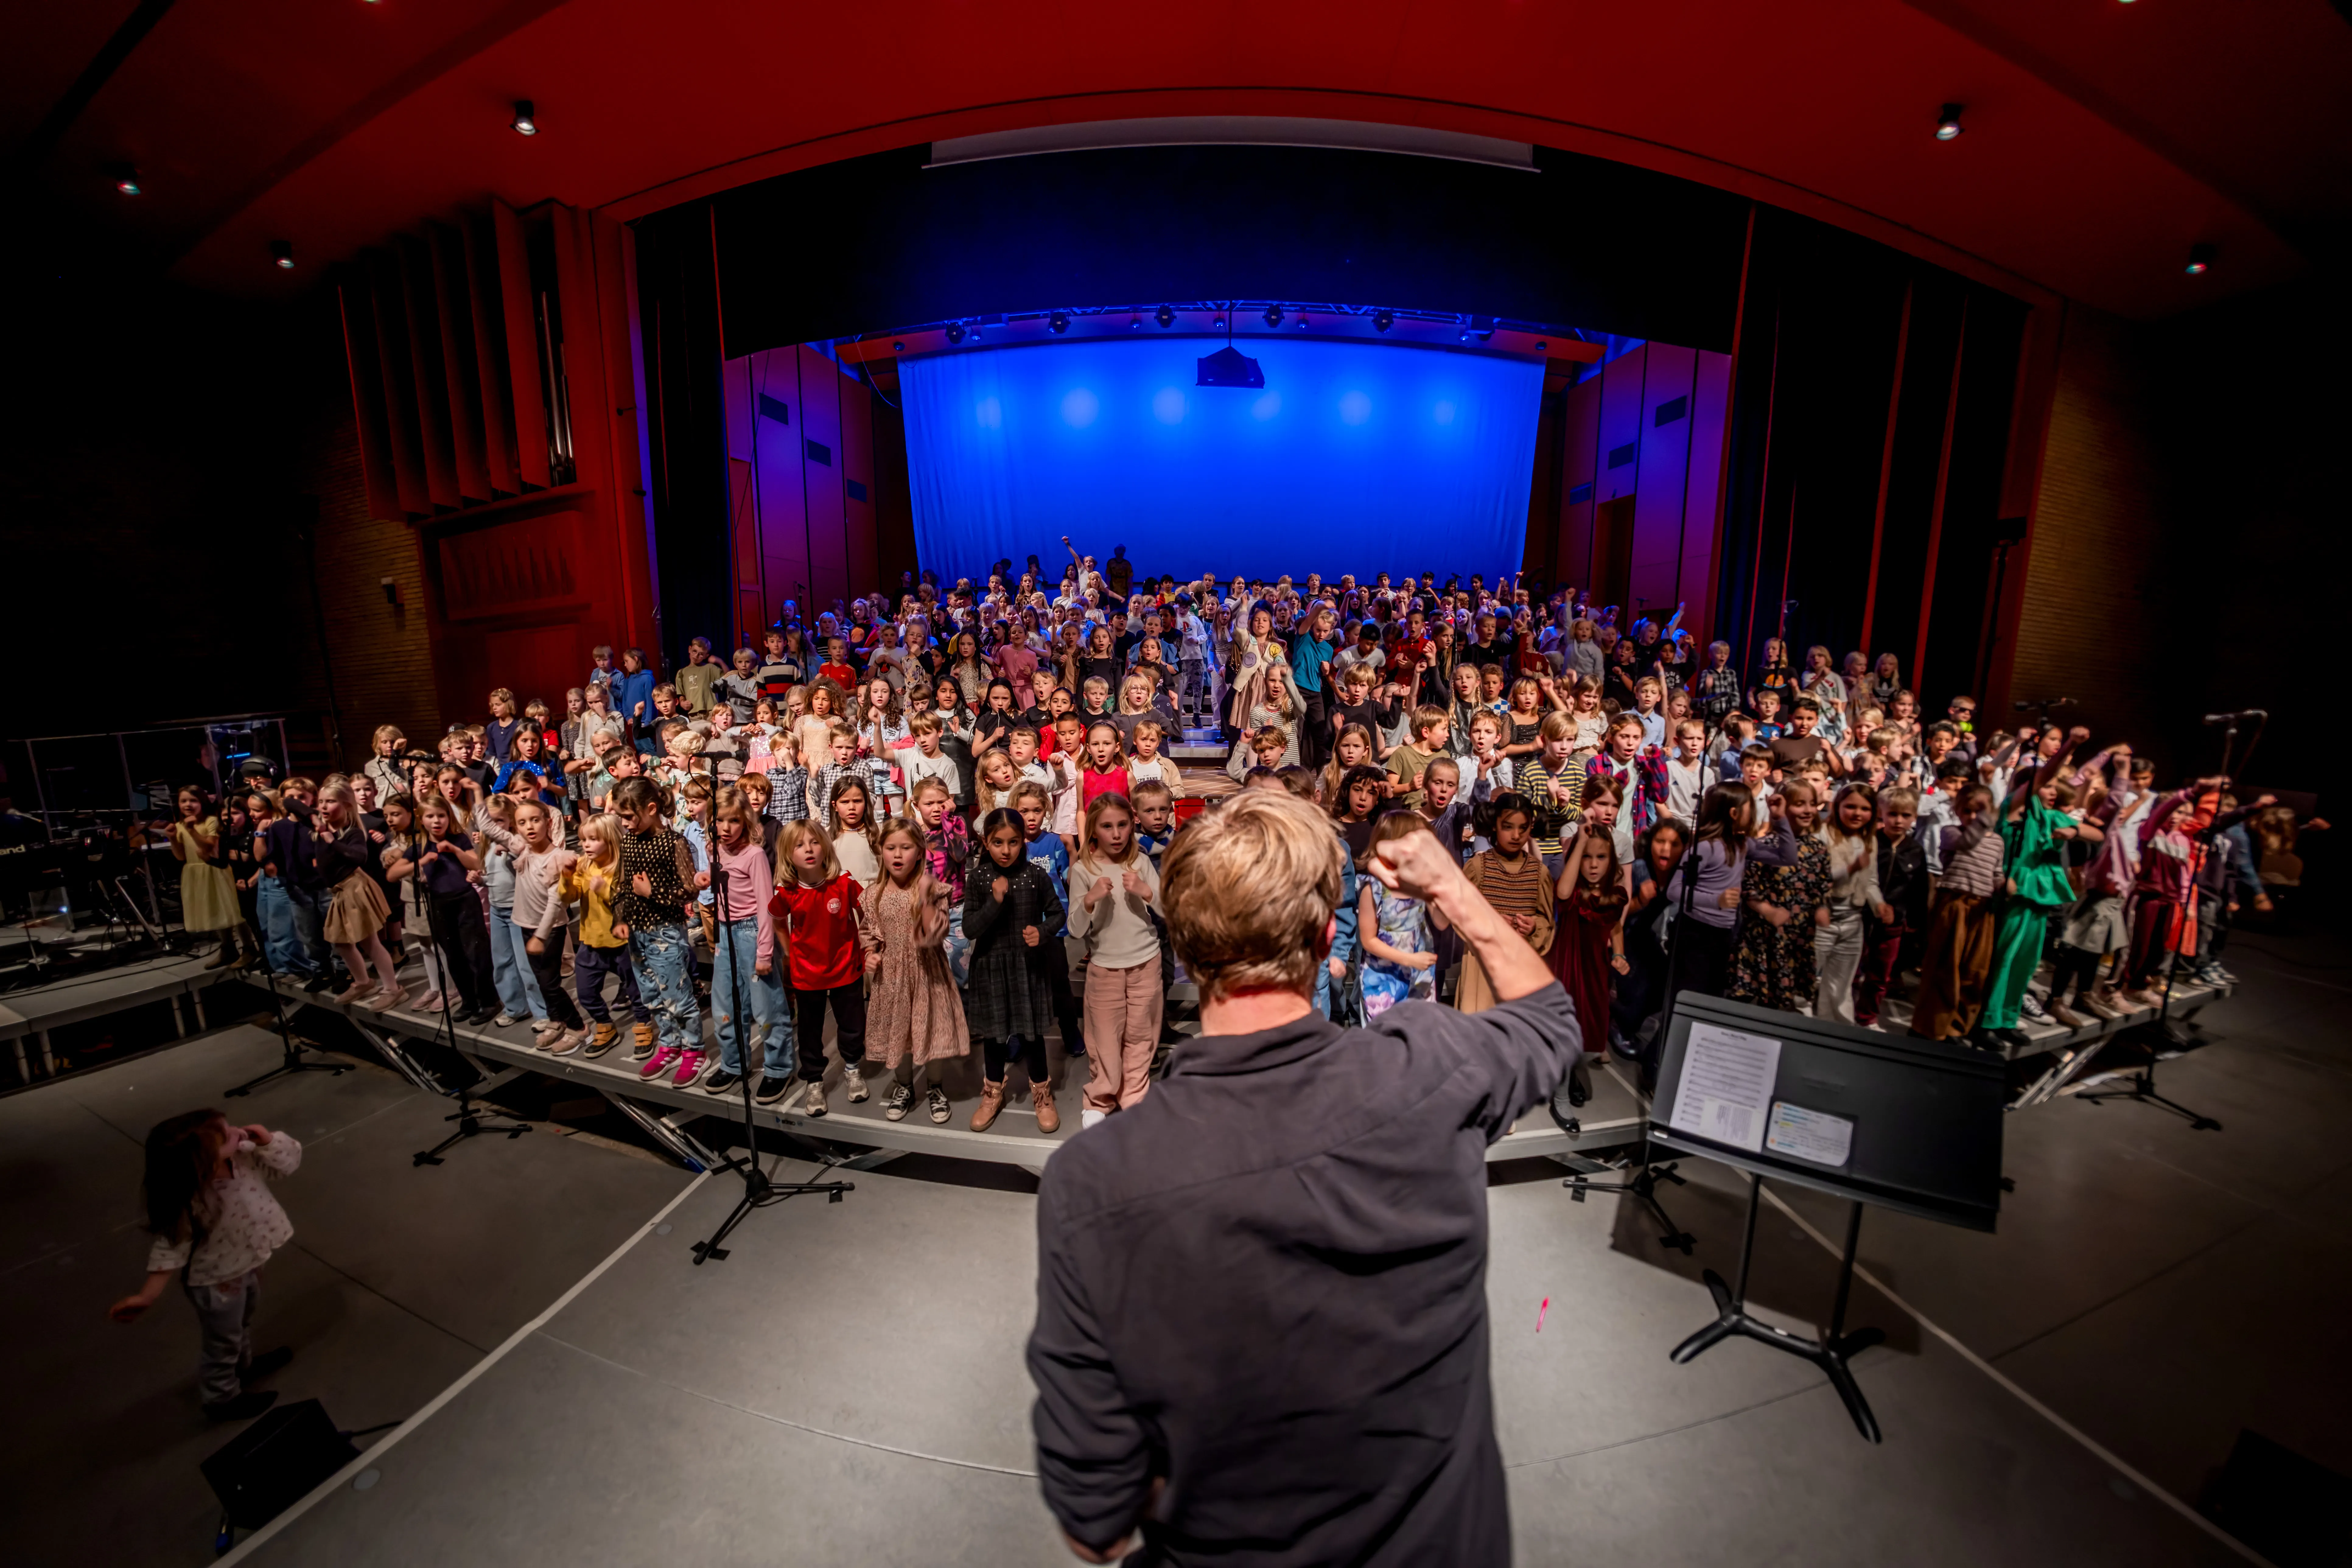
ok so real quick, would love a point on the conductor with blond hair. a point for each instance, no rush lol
(1261, 1290)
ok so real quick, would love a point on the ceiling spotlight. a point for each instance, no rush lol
(1164, 316)
(126, 180)
(955, 331)
(1947, 123)
(1462, 336)
(525, 122)
(1542, 345)
(1135, 324)
(1058, 322)
(1218, 322)
(1383, 320)
(897, 348)
(281, 251)
(1274, 315)
(1302, 323)
(2201, 260)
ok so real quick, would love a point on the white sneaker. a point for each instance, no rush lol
(814, 1104)
(566, 1041)
(505, 1021)
(853, 1078)
(1089, 1116)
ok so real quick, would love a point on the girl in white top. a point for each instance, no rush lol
(1850, 828)
(854, 839)
(213, 1224)
(1113, 889)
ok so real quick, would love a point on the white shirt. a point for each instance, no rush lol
(241, 1221)
(1685, 783)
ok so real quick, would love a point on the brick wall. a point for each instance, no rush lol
(2098, 584)
(379, 658)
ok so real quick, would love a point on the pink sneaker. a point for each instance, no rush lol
(690, 1067)
(658, 1063)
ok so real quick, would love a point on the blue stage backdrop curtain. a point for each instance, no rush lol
(1358, 458)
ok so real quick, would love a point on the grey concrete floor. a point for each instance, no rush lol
(397, 1279)
(849, 1385)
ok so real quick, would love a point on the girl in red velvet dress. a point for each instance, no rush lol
(1589, 951)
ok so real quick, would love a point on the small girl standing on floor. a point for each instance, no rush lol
(819, 901)
(1589, 953)
(1400, 947)
(593, 882)
(1512, 878)
(1009, 912)
(1106, 770)
(207, 894)
(214, 1224)
(853, 836)
(1116, 887)
(1782, 906)
(915, 1018)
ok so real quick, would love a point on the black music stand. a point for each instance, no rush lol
(1909, 1125)
(291, 1062)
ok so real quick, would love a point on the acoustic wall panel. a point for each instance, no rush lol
(1620, 423)
(782, 494)
(1579, 473)
(523, 366)
(820, 435)
(1661, 470)
(483, 295)
(398, 366)
(1703, 498)
(453, 309)
(855, 461)
(431, 376)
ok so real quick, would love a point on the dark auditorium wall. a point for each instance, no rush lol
(154, 523)
(2192, 511)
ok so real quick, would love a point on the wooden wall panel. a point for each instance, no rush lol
(373, 432)
(1580, 468)
(516, 306)
(399, 382)
(1620, 423)
(776, 466)
(861, 549)
(428, 373)
(744, 527)
(630, 535)
(820, 432)
(1702, 503)
(453, 305)
(484, 290)
(1662, 472)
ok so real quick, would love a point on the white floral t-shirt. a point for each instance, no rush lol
(241, 1221)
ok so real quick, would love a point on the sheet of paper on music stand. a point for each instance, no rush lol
(1726, 1086)
(1814, 1135)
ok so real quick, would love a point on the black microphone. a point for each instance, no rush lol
(2024, 703)
(2233, 717)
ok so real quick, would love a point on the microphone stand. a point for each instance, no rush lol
(760, 1189)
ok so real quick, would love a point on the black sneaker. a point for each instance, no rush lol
(2031, 1006)
(264, 1365)
(244, 1407)
(772, 1089)
(721, 1081)
(318, 983)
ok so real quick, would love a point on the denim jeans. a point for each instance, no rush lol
(734, 972)
(224, 1314)
(589, 967)
(510, 968)
(664, 956)
(281, 939)
(311, 927)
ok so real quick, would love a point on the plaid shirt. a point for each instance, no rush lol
(1644, 781)
(1717, 692)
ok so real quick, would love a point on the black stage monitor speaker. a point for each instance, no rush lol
(273, 1463)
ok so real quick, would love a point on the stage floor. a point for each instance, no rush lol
(849, 1385)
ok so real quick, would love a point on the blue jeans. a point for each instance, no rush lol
(665, 961)
(281, 937)
(733, 971)
(510, 968)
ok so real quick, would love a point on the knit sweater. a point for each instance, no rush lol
(1118, 929)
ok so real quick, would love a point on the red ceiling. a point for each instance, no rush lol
(2103, 138)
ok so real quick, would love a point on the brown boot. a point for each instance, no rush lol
(249, 947)
(643, 1039)
(991, 1101)
(223, 954)
(1042, 1098)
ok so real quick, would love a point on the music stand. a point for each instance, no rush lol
(1910, 1125)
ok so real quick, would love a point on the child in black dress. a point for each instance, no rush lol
(1009, 912)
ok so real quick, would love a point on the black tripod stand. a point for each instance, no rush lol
(1832, 1354)
(2141, 1085)
(760, 1189)
(470, 1122)
(293, 1061)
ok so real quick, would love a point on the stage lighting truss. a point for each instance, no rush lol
(1235, 318)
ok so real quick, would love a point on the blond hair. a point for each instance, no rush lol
(606, 829)
(1249, 890)
(789, 839)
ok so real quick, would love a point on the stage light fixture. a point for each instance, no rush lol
(1274, 315)
(126, 179)
(525, 122)
(955, 331)
(1947, 123)
(281, 251)
(1542, 345)
(1164, 316)
(1229, 367)
(1058, 322)
(1302, 323)
(1383, 320)
(2201, 260)
(1135, 324)
(897, 348)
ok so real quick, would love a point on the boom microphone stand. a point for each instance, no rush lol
(760, 1189)
(470, 1122)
